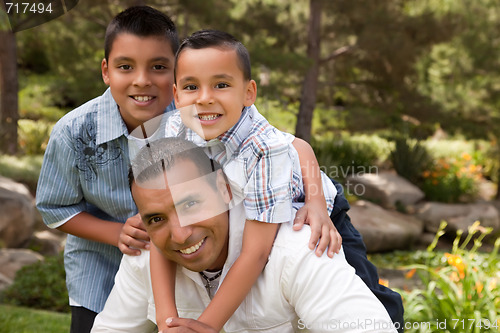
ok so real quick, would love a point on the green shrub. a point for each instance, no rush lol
(410, 159)
(23, 169)
(33, 136)
(452, 179)
(343, 157)
(41, 285)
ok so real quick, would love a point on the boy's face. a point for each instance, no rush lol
(212, 80)
(139, 72)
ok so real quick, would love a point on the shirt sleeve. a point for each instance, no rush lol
(59, 195)
(268, 191)
(328, 296)
(128, 306)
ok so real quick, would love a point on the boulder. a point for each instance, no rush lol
(386, 188)
(458, 216)
(12, 260)
(384, 230)
(17, 220)
(47, 242)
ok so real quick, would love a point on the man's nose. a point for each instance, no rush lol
(142, 78)
(178, 233)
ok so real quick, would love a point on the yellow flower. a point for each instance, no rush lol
(479, 286)
(466, 157)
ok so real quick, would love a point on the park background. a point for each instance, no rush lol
(405, 86)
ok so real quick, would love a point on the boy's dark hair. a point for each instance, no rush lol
(159, 156)
(142, 21)
(214, 38)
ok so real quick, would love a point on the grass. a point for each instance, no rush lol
(25, 320)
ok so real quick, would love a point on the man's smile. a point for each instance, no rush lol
(193, 248)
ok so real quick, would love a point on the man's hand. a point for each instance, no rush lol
(133, 237)
(322, 229)
(184, 325)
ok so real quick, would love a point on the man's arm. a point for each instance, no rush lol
(128, 306)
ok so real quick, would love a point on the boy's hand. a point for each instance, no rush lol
(184, 325)
(133, 236)
(322, 229)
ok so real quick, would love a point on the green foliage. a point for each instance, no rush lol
(349, 155)
(462, 289)
(23, 169)
(452, 179)
(33, 135)
(24, 320)
(41, 285)
(410, 159)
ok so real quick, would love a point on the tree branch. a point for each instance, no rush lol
(338, 52)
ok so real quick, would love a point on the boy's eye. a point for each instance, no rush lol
(190, 87)
(222, 85)
(159, 67)
(125, 67)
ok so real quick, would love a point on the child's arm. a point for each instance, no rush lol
(124, 236)
(163, 282)
(314, 211)
(258, 239)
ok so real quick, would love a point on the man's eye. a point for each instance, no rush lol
(155, 220)
(190, 204)
(222, 85)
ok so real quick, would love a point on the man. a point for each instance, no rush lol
(183, 202)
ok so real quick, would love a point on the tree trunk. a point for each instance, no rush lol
(8, 93)
(308, 96)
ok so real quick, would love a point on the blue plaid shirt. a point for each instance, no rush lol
(261, 164)
(85, 169)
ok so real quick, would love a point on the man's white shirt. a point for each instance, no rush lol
(296, 290)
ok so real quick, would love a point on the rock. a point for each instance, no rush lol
(47, 242)
(384, 230)
(12, 260)
(458, 216)
(386, 188)
(4, 282)
(18, 213)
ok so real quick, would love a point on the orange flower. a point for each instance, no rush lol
(479, 286)
(410, 273)
(466, 156)
(383, 282)
(457, 262)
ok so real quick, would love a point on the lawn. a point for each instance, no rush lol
(25, 320)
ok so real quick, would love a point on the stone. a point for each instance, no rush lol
(384, 230)
(12, 260)
(385, 188)
(17, 220)
(47, 242)
(458, 216)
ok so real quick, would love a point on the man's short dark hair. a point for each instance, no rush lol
(161, 155)
(142, 21)
(219, 39)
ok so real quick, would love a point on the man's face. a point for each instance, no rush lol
(211, 79)
(140, 74)
(199, 246)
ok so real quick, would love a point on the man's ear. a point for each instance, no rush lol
(251, 93)
(105, 71)
(223, 187)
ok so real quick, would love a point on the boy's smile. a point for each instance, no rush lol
(212, 80)
(139, 72)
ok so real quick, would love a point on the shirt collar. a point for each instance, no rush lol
(233, 138)
(110, 124)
